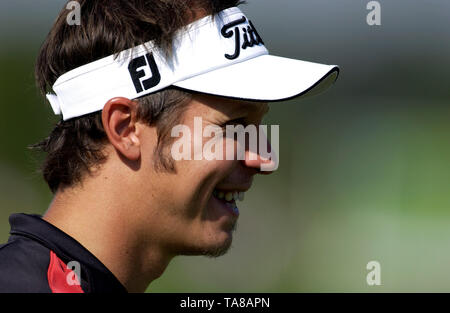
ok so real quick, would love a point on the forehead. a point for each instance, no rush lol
(229, 107)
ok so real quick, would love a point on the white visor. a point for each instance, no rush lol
(223, 56)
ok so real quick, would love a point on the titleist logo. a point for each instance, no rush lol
(250, 36)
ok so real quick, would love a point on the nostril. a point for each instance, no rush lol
(269, 166)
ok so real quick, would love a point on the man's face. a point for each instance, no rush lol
(191, 212)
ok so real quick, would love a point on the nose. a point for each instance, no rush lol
(264, 160)
(263, 166)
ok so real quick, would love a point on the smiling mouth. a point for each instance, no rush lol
(229, 198)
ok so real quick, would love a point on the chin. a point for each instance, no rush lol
(213, 246)
(215, 235)
(218, 249)
(223, 241)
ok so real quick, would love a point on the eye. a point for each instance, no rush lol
(236, 121)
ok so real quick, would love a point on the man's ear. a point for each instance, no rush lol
(119, 123)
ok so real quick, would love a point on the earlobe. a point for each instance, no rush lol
(119, 123)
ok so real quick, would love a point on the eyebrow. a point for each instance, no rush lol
(260, 106)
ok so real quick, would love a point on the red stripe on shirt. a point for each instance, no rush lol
(58, 275)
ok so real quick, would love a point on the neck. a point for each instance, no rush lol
(103, 227)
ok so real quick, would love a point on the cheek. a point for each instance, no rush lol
(193, 186)
(193, 181)
(201, 165)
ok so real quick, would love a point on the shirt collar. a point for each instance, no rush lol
(33, 226)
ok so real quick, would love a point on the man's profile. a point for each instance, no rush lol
(123, 206)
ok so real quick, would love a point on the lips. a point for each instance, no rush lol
(229, 195)
(228, 198)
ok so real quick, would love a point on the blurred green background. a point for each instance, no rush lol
(364, 168)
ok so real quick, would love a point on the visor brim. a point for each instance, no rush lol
(265, 78)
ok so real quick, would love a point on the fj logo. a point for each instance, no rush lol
(144, 67)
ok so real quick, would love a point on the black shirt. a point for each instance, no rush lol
(39, 257)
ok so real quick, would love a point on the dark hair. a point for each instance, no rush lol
(75, 146)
